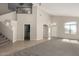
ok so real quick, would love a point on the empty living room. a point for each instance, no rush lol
(39, 29)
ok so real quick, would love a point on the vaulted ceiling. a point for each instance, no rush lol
(62, 9)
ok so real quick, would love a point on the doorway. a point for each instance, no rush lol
(27, 32)
(45, 31)
(54, 31)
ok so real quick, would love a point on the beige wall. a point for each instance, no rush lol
(42, 18)
(60, 20)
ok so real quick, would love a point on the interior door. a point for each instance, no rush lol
(27, 32)
(45, 31)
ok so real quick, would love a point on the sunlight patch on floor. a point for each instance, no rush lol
(70, 41)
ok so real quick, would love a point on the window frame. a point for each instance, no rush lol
(70, 24)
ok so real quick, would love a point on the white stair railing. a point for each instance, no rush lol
(9, 21)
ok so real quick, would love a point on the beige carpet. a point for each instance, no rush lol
(50, 48)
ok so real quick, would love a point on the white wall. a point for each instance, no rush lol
(27, 19)
(36, 20)
(14, 29)
(3, 7)
(8, 16)
(60, 20)
(42, 18)
(7, 31)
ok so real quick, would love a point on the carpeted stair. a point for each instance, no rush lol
(4, 41)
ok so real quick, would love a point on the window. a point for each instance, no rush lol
(70, 27)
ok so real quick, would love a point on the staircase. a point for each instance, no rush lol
(8, 27)
(4, 41)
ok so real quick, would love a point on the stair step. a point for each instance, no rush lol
(2, 36)
(4, 41)
(0, 33)
(5, 44)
